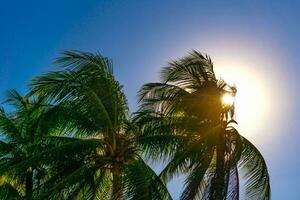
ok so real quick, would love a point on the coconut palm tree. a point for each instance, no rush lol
(184, 120)
(22, 130)
(95, 155)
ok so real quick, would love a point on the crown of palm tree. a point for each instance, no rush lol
(23, 129)
(94, 154)
(183, 120)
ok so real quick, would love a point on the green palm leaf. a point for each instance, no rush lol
(141, 182)
(256, 173)
(8, 192)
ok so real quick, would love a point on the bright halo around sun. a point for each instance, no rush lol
(251, 101)
(227, 100)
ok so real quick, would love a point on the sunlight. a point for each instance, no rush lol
(252, 98)
(227, 100)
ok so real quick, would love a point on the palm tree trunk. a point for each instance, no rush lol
(29, 182)
(117, 184)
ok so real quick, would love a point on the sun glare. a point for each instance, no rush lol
(227, 100)
(251, 99)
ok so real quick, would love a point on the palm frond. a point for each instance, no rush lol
(141, 182)
(53, 154)
(194, 185)
(160, 146)
(15, 99)
(79, 59)
(75, 178)
(7, 126)
(5, 148)
(88, 82)
(257, 184)
(190, 72)
(8, 192)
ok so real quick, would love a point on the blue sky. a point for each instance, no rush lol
(142, 36)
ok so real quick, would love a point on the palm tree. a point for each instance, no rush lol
(22, 130)
(184, 121)
(95, 155)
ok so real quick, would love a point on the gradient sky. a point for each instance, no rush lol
(140, 37)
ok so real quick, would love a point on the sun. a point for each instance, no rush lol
(227, 100)
(252, 100)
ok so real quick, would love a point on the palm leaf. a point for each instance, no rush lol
(8, 192)
(141, 182)
(256, 173)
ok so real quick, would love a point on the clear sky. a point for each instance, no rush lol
(259, 38)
